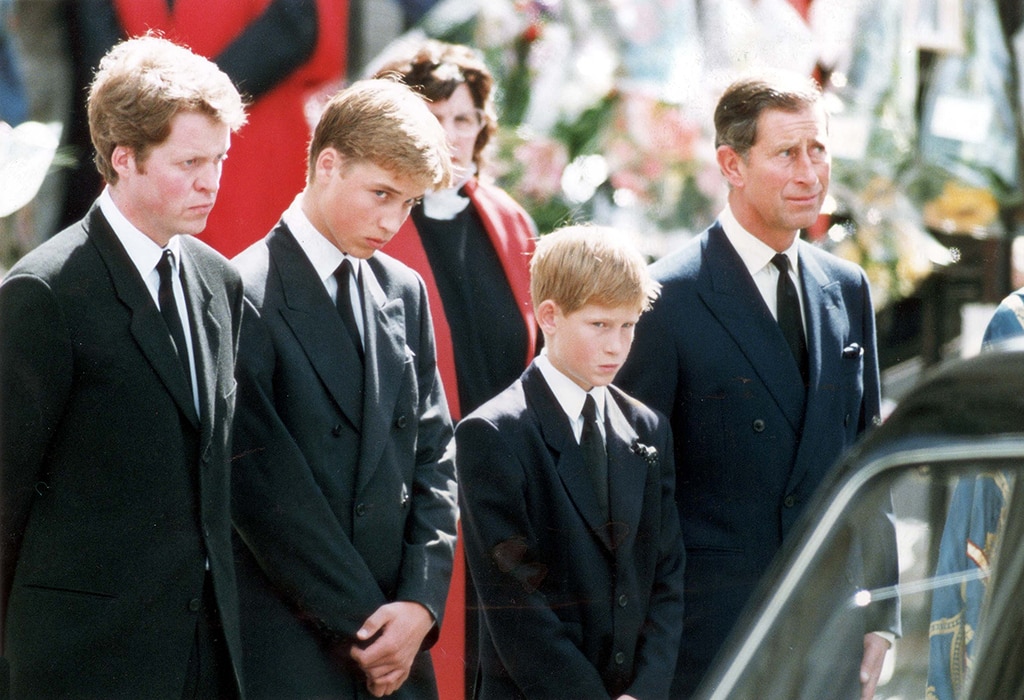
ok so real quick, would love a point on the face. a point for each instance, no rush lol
(590, 344)
(357, 206)
(780, 187)
(173, 190)
(462, 122)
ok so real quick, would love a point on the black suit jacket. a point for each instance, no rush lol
(572, 605)
(751, 444)
(344, 502)
(114, 494)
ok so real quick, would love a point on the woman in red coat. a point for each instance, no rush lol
(472, 245)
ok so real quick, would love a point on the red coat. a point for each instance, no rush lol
(512, 234)
(266, 165)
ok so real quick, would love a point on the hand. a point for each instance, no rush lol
(875, 647)
(395, 633)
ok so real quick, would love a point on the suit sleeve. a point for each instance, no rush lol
(429, 550)
(532, 642)
(658, 648)
(36, 370)
(871, 408)
(279, 511)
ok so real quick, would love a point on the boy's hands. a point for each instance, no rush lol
(397, 631)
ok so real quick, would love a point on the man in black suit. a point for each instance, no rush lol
(344, 487)
(761, 350)
(117, 350)
(566, 484)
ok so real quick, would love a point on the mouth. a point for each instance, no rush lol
(376, 243)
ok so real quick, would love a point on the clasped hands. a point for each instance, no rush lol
(395, 634)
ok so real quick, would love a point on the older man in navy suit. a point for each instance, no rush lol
(762, 351)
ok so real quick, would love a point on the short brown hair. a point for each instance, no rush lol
(745, 100)
(141, 85)
(584, 264)
(385, 123)
(436, 69)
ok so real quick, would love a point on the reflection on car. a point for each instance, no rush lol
(950, 460)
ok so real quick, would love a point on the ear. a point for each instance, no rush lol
(547, 313)
(731, 164)
(327, 162)
(123, 160)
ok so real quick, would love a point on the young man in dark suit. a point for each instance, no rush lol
(117, 352)
(344, 485)
(766, 376)
(571, 530)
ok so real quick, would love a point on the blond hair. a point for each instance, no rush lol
(584, 264)
(141, 85)
(385, 123)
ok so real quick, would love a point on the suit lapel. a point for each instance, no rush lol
(147, 326)
(827, 325)
(206, 339)
(732, 297)
(627, 473)
(566, 453)
(386, 354)
(316, 325)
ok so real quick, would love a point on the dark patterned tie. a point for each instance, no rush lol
(788, 312)
(344, 301)
(169, 310)
(594, 452)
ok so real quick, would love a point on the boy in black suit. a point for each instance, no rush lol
(567, 490)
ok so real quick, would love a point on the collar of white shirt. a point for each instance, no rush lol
(570, 395)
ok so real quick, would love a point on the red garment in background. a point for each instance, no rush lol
(266, 165)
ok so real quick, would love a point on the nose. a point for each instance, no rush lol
(805, 170)
(208, 179)
(392, 219)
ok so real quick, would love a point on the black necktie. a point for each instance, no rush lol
(344, 302)
(169, 310)
(594, 451)
(788, 311)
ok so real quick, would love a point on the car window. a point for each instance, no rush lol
(910, 542)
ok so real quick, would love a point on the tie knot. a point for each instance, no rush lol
(589, 411)
(166, 265)
(781, 261)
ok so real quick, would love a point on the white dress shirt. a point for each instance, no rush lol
(571, 396)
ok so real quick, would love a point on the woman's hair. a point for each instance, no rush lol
(141, 85)
(385, 123)
(436, 69)
(584, 264)
(745, 100)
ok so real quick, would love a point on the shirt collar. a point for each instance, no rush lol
(569, 394)
(143, 250)
(323, 254)
(755, 253)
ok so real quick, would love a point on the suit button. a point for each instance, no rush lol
(620, 657)
(846, 421)
(401, 421)
(789, 502)
(194, 605)
(758, 425)
(623, 600)
(336, 430)
(361, 509)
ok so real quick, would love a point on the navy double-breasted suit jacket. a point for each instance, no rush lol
(751, 445)
(114, 493)
(573, 604)
(344, 499)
